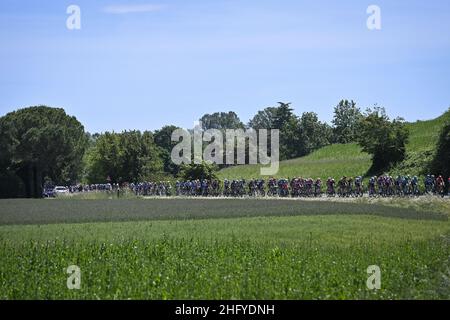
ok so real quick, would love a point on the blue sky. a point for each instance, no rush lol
(147, 63)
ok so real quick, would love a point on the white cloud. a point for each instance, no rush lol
(130, 8)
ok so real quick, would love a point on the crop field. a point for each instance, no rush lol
(223, 249)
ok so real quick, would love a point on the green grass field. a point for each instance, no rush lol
(223, 249)
(423, 134)
(330, 161)
(348, 160)
(136, 248)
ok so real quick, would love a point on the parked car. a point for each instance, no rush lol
(61, 190)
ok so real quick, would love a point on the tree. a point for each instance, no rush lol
(283, 115)
(283, 119)
(103, 159)
(287, 122)
(42, 142)
(221, 121)
(264, 119)
(11, 186)
(298, 136)
(313, 134)
(345, 121)
(199, 171)
(290, 139)
(163, 139)
(440, 164)
(130, 156)
(6, 143)
(385, 140)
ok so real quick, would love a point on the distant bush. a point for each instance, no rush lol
(199, 171)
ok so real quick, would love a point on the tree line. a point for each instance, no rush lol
(40, 145)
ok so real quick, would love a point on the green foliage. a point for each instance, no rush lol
(40, 142)
(313, 134)
(221, 121)
(298, 136)
(283, 119)
(129, 156)
(163, 139)
(290, 139)
(385, 140)
(264, 119)
(283, 115)
(349, 160)
(425, 134)
(345, 122)
(171, 268)
(416, 163)
(52, 148)
(421, 145)
(441, 161)
(287, 122)
(199, 171)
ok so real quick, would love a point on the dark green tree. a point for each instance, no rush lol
(41, 143)
(384, 139)
(11, 186)
(345, 121)
(129, 156)
(290, 139)
(298, 136)
(283, 119)
(102, 160)
(287, 122)
(221, 121)
(440, 164)
(313, 134)
(163, 139)
(284, 113)
(150, 159)
(264, 119)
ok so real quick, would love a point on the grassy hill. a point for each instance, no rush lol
(423, 135)
(347, 159)
(334, 160)
(421, 146)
